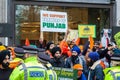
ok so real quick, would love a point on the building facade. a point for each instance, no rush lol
(25, 17)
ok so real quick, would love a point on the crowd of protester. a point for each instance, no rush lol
(92, 64)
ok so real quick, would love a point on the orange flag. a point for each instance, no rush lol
(91, 42)
(77, 42)
(27, 43)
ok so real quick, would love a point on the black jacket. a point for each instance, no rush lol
(5, 73)
(57, 62)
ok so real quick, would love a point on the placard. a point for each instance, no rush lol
(66, 73)
(87, 30)
(52, 21)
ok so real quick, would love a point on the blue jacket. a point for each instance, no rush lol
(96, 72)
(82, 77)
(70, 64)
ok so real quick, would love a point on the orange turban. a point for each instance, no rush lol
(79, 68)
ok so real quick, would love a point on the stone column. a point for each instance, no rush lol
(118, 13)
(3, 11)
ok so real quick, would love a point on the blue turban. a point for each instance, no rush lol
(76, 48)
(93, 56)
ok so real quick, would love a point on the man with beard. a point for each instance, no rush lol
(49, 47)
(5, 71)
(57, 60)
(96, 67)
(75, 58)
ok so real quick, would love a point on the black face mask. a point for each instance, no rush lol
(73, 58)
(5, 65)
(91, 63)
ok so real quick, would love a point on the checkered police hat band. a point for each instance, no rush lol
(30, 51)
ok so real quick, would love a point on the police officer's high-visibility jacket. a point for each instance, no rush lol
(112, 73)
(51, 73)
(30, 70)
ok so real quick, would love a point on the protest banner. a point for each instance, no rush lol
(52, 21)
(66, 73)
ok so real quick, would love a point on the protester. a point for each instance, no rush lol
(42, 43)
(57, 60)
(65, 48)
(96, 67)
(12, 53)
(74, 59)
(49, 47)
(81, 75)
(85, 62)
(31, 69)
(5, 71)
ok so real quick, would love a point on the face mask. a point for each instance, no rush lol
(5, 65)
(73, 58)
(91, 63)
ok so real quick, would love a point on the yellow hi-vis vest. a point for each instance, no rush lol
(31, 70)
(112, 73)
(51, 74)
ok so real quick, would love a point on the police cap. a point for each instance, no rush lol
(30, 49)
(19, 51)
(43, 56)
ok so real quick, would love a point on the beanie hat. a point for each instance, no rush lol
(76, 48)
(55, 49)
(3, 54)
(93, 56)
(48, 45)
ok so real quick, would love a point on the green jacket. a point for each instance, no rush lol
(30, 70)
(112, 73)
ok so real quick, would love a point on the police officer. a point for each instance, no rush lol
(113, 73)
(44, 60)
(31, 69)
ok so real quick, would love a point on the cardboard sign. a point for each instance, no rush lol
(87, 30)
(73, 35)
(52, 21)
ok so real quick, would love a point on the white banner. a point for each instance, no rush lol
(52, 21)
